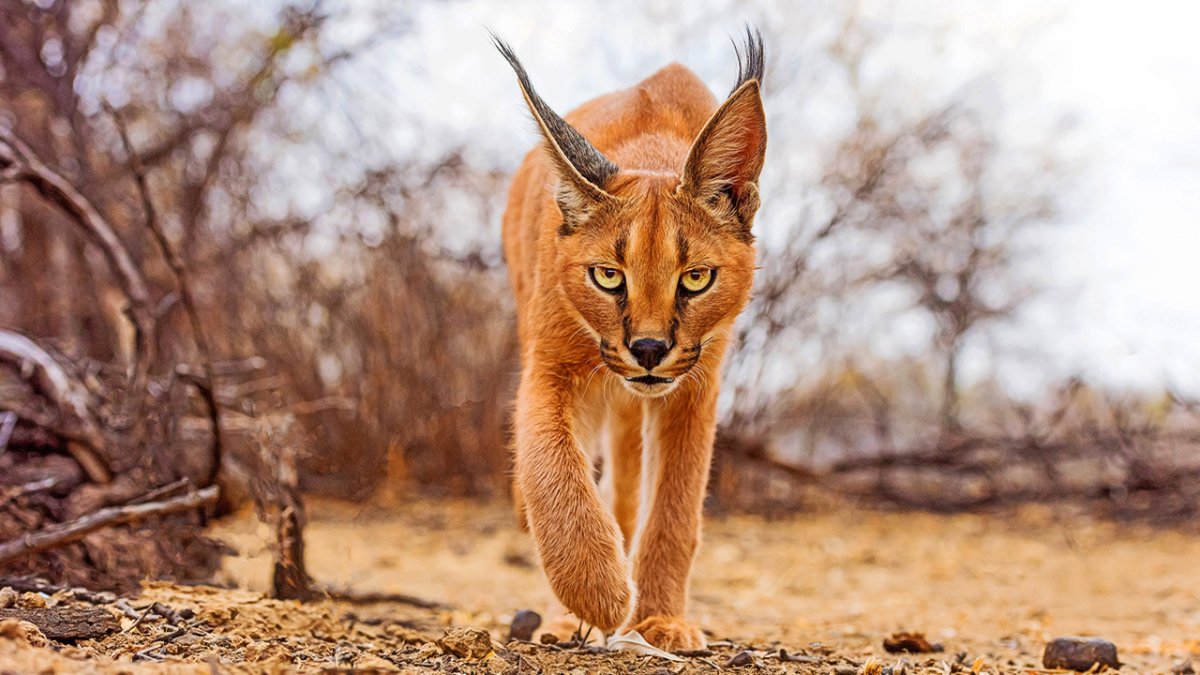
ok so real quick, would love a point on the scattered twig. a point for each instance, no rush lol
(122, 605)
(63, 533)
(376, 598)
(139, 618)
(30, 585)
(30, 488)
(161, 491)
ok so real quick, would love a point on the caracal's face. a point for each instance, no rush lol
(656, 274)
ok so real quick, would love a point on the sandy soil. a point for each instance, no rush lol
(828, 587)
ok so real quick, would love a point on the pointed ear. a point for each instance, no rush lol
(723, 165)
(582, 170)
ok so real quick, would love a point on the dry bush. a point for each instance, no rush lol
(309, 278)
(352, 319)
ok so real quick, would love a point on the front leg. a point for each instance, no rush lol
(678, 448)
(577, 538)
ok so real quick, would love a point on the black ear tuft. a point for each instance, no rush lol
(567, 144)
(755, 62)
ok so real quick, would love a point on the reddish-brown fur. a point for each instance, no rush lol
(681, 200)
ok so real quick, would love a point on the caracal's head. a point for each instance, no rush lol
(657, 264)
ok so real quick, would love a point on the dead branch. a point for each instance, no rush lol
(43, 485)
(290, 578)
(162, 491)
(19, 163)
(8, 421)
(64, 533)
(381, 598)
(180, 271)
(71, 397)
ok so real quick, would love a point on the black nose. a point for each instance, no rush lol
(649, 352)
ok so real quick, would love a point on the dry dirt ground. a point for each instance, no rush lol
(827, 587)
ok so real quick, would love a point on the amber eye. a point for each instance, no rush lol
(608, 278)
(697, 279)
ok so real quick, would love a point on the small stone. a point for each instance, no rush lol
(910, 642)
(1080, 654)
(22, 632)
(523, 624)
(497, 665)
(742, 658)
(427, 651)
(8, 597)
(467, 643)
(548, 639)
(188, 640)
(796, 658)
(33, 600)
(218, 641)
(1183, 668)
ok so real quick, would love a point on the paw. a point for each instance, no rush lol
(602, 599)
(595, 588)
(670, 633)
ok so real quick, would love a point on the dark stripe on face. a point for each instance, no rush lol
(681, 245)
(619, 248)
(681, 301)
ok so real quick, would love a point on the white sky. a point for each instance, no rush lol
(1128, 259)
(1116, 84)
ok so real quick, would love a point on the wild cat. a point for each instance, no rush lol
(629, 246)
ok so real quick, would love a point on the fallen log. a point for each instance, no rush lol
(64, 533)
(66, 624)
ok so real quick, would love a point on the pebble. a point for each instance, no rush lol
(524, 622)
(467, 643)
(742, 658)
(8, 597)
(22, 632)
(1080, 654)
